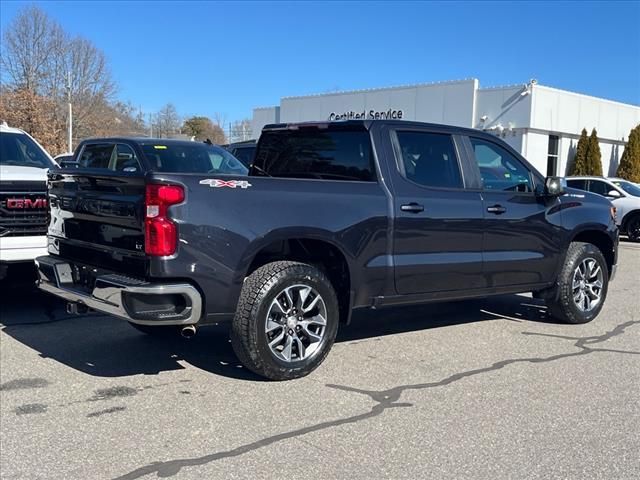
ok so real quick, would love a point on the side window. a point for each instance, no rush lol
(429, 159)
(315, 153)
(499, 169)
(579, 184)
(97, 155)
(601, 188)
(125, 159)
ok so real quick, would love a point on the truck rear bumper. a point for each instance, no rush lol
(22, 249)
(135, 300)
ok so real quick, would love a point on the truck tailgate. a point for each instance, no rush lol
(98, 219)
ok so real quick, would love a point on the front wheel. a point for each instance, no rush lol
(582, 285)
(286, 321)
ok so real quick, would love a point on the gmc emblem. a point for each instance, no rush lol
(16, 203)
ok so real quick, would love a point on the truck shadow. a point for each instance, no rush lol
(108, 347)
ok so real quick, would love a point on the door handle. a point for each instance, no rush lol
(412, 207)
(497, 209)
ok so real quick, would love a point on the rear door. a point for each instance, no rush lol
(437, 233)
(97, 209)
(604, 188)
(521, 232)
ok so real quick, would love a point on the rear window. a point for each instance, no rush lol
(110, 156)
(579, 184)
(192, 158)
(313, 153)
(19, 150)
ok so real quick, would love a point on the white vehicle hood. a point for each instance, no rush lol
(25, 174)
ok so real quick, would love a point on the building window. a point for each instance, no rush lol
(552, 155)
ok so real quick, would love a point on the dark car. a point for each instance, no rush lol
(329, 218)
(243, 151)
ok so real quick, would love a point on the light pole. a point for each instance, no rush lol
(70, 139)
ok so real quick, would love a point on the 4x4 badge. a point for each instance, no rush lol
(217, 183)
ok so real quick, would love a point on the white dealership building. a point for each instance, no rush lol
(542, 123)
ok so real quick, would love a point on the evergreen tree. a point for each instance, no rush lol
(594, 157)
(579, 166)
(629, 167)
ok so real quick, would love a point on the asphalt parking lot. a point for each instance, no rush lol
(482, 389)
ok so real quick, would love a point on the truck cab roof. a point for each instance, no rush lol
(367, 124)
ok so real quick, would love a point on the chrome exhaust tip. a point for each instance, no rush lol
(188, 331)
(74, 308)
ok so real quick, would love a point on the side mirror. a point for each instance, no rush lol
(554, 186)
(614, 194)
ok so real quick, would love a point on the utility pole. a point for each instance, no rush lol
(70, 112)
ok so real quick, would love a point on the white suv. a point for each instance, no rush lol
(23, 197)
(624, 195)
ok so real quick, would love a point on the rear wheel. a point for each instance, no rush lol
(286, 321)
(633, 229)
(582, 285)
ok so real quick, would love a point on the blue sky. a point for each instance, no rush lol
(208, 57)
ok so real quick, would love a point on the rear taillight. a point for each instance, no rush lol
(161, 233)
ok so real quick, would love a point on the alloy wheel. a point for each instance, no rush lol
(587, 285)
(296, 323)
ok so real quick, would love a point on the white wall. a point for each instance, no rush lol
(567, 112)
(503, 105)
(263, 116)
(449, 103)
(533, 116)
(535, 150)
(537, 147)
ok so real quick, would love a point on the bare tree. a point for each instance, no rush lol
(39, 57)
(240, 130)
(166, 122)
(91, 82)
(30, 44)
(220, 119)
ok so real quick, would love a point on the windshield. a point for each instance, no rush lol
(630, 188)
(18, 149)
(191, 158)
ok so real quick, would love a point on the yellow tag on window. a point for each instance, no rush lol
(160, 147)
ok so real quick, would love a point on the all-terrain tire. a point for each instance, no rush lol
(560, 301)
(259, 291)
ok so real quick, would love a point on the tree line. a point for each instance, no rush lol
(43, 68)
(588, 158)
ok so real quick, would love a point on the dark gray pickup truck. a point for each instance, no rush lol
(329, 217)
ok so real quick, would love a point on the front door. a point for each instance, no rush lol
(437, 233)
(522, 235)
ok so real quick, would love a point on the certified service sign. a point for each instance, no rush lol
(390, 114)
